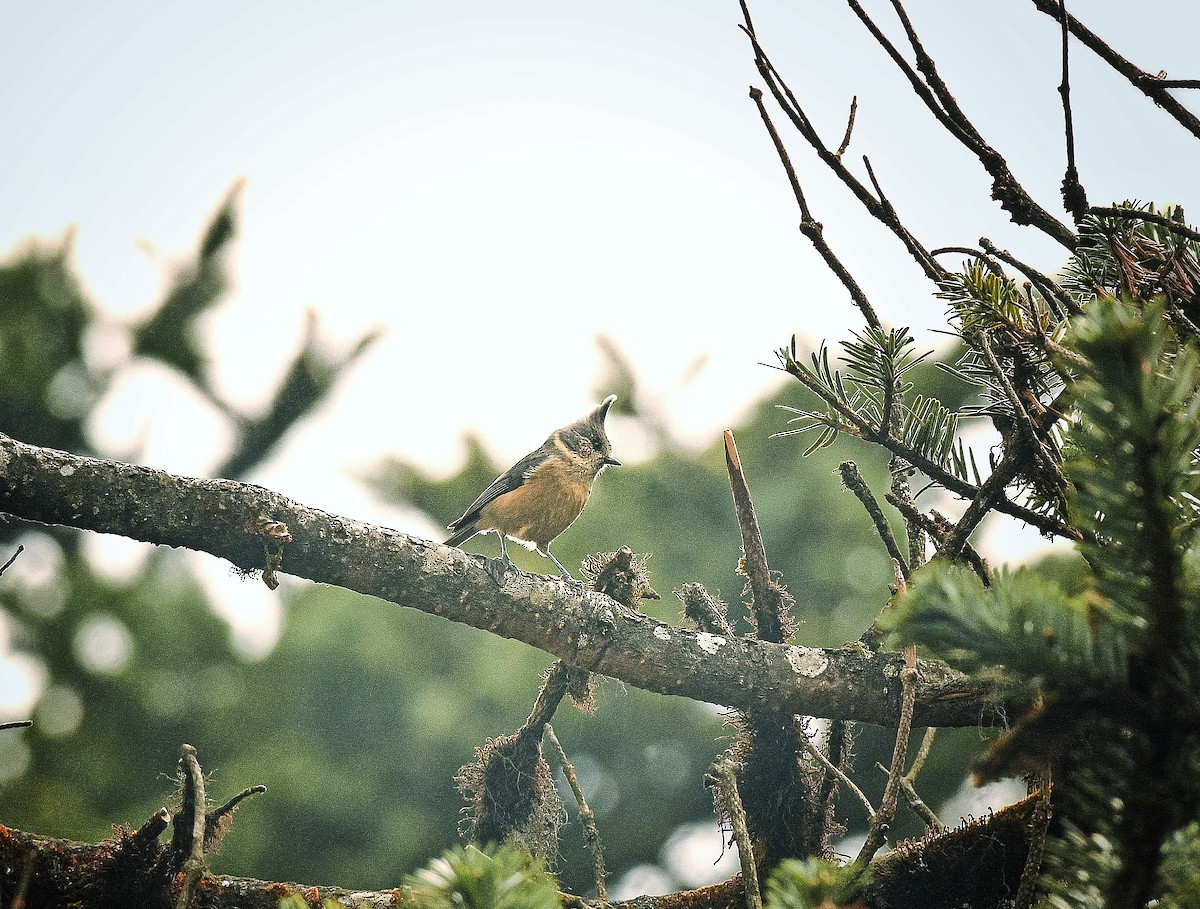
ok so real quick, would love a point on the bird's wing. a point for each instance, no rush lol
(511, 479)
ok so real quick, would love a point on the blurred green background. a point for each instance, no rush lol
(358, 719)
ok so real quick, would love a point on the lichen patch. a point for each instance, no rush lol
(710, 643)
(807, 661)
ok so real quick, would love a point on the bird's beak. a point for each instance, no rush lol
(611, 462)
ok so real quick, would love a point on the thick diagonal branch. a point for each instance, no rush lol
(587, 629)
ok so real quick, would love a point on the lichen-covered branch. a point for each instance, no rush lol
(237, 521)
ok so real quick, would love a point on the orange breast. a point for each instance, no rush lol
(545, 505)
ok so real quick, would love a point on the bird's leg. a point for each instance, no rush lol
(498, 568)
(562, 571)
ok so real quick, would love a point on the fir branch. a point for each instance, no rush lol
(1046, 285)
(1137, 214)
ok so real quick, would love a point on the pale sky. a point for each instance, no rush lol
(497, 183)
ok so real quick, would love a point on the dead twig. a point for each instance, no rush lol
(1147, 83)
(853, 481)
(591, 834)
(727, 777)
(937, 530)
(901, 471)
(811, 228)
(8, 564)
(907, 782)
(878, 828)
(788, 103)
(989, 263)
(770, 601)
(1074, 197)
(1039, 825)
(841, 150)
(936, 95)
(190, 824)
(840, 775)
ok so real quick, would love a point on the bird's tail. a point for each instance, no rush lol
(461, 535)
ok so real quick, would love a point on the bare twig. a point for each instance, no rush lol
(899, 582)
(901, 472)
(770, 607)
(840, 775)
(17, 724)
(937, 531)
(985, 500)
(1039, 825)
(727, 776)
(877, 830)
(915, 802)
(838, 746)
(918, 804)
(841, 150)
(1074, 197)
(991, 264)
(1020, 414)
(811, 228)
(709, 613)
(217, 822)
(853, 481)
(1149, 84)
(936, 95)
(553, 690)
(787, 101)
(922, 754)
(8, 564)
(591, 834)
(150, 831)
(191, 815)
